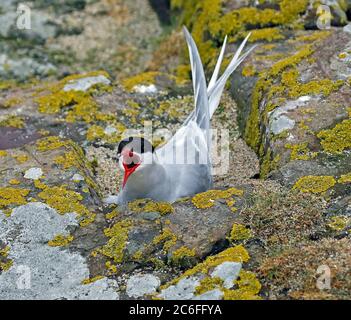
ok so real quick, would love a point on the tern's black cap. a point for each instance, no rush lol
(137, 144)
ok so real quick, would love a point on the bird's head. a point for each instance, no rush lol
(134, 154)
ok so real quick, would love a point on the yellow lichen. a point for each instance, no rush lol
(248, 287)
(13, 121)
(14, 182)
(112, 269)
(3, 153)
(345, 178)
(11, 102)
(182, 253)
(248, 71)
(91, 280)
(4, 266)
(89, 218)
(21, 158)
(338, 139)
(239, 233)
(5, 251)
(300, 151)
(207, 199)
(12, 196)
(114, 213)
(65, 201)
(146, 78)
(167, 237)
(67, 160)
(208, 284)
(60, 241)
(315, 184)
(50, 143)
(338, 223)
(118, 236)
(145, 205)
(233, 254)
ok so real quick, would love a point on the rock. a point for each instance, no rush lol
(287, 128)
(215, 294)
(83, 84)
(183, 290)
(145, 89)
(228, 272)
(40, 271)
(140, 285)
(33, 173)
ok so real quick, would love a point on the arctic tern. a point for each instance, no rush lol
(182, 167)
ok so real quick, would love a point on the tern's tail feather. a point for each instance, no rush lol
(202, 114)
(207, 99)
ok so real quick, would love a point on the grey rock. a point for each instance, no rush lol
(215, 294)
(40, 271)
(183, 290)
(228, 272)
(140, 285)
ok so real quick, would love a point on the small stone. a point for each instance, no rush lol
(215, 294)
(347, 28)
(145, 89)
(33, 173)
(84, 84)
(110, 130)
(228, 272)
(77, 177)
(281, 124)
(140, 285)
(111, 199)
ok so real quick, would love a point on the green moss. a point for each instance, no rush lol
(239, 233)
(300, 151)
(338, 139)
(60, 241)
(207, 199)
(315, 184)
(145, 205)
(118, 236)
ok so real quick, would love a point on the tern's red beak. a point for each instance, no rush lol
(128, 171)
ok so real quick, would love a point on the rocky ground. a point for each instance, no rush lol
(278, 220)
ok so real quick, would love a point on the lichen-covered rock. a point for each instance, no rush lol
(295, 113)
